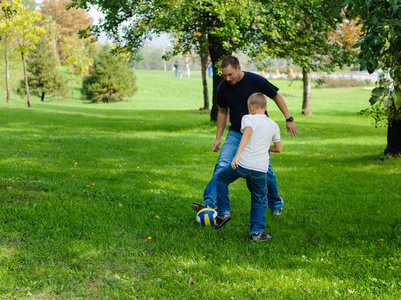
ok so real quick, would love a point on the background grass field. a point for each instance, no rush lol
(95, 201)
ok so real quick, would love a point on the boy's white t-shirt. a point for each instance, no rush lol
(255, 155)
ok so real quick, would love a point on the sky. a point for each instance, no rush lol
(161, 41)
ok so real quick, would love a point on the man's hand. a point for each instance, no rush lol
(215, 146)
(291, 128)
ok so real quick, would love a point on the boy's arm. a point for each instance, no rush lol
(244, 141)
(277, 147)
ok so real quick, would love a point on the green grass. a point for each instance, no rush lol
(95, 201)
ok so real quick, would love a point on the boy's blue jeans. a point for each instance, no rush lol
(256, 182)
(227, 153)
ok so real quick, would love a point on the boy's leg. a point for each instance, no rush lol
(227, 154)
(256, 183)
(223, 180)
(275, 202)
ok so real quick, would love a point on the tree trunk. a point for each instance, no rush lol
(306, 105)
(7, 74)
(393, 137)
(187, 66)
(26, 81)
(42, 97)
(203, 58)
(217, 52)
(72, 81)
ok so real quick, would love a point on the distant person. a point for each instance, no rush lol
(210, 69)
(233, 94)
(252, 163)
(176, 68)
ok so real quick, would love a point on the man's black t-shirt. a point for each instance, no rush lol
(236, 96)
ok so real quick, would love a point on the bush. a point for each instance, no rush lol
(110, 78)
(327, 82)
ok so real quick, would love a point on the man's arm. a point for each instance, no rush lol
(222, 116)
(291, 128)
(244, 141)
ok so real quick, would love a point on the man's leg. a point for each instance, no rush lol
(275, 202)
(226, 156)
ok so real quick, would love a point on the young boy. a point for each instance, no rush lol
(251, 162)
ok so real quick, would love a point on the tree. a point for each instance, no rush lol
(25, 32)
(69, 22)
(306, 37)
(380, 47)
(228, 25)
(110, 78)
(7, 11)
(42, 67)
(76, 55)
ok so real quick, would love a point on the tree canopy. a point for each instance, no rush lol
(224, 26)
(42, 68)
(69, 22)
(380, 48)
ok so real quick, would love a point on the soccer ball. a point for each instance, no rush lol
(206, 217)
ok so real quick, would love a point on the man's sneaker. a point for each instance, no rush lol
(278, 212)
(221, 221)
(261, 236)
(197, 206)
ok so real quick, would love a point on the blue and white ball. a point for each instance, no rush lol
(206, 217)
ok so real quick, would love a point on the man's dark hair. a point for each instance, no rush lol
(229, 61)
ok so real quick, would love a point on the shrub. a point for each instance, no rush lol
(110, 78)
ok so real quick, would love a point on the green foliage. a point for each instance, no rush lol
(42, 67)
(380, 47)
(302, 34)
(24, 30)
(110, 78)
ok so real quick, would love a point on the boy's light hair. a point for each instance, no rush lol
(258, 100)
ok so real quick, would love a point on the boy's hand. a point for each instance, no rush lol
(234, 163)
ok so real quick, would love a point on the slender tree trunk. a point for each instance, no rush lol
(7, 74)
(26, 81)
(393, 137)
(187, 66)
(203, 58)
(306, 105)
(42, 97)
(72, 81)
(217, 52)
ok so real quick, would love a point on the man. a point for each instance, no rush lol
(232, 97)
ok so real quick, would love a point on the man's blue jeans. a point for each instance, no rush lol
(227, 153)
(256, 182)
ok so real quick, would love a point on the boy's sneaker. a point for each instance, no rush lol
(261, 236)
(197, 206)
(278, 212)
(222, 220)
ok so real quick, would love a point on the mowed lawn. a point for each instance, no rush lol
(95, 201)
